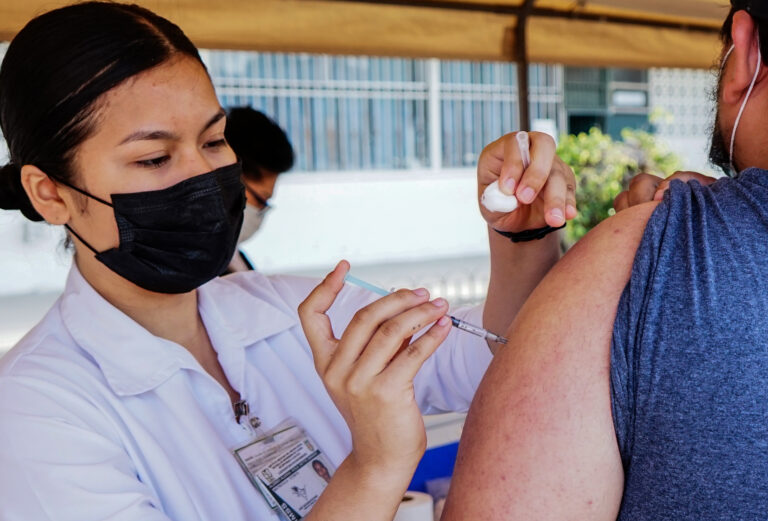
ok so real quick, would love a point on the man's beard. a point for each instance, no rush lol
(718, 150)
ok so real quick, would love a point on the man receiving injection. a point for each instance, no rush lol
(375, 375)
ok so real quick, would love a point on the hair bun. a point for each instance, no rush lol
(12, 193)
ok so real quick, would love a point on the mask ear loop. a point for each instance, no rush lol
(67, 226)
(744, 104)
(73, 232)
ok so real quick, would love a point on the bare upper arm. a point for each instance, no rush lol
(539, 441)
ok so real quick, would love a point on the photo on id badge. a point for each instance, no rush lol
(289, 467)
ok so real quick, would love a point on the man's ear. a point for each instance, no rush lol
(45, 195)
(740, 70)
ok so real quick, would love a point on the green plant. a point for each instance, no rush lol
(603, 166)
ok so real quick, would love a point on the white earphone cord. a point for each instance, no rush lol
(743, 105)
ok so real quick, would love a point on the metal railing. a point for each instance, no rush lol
(363, 113)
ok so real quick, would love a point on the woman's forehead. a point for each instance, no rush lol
(173, 96)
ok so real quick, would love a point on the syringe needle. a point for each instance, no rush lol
(457, 323)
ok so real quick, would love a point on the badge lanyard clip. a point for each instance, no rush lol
(243, 410)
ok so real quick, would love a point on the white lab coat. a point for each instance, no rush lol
(99, 419)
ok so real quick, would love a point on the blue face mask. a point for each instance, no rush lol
(176, 239)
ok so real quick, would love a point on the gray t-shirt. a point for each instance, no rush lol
(689, 358)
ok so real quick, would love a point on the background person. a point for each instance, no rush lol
(265, 151)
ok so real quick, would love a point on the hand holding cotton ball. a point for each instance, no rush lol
(497, 201)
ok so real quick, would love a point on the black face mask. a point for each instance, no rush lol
(176, 239)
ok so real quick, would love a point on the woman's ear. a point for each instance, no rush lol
(46, 195)
(740, 70)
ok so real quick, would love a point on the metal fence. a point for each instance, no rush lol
(479, 103)
(362, 113)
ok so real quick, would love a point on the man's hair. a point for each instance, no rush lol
(758, 9)
(258, 141)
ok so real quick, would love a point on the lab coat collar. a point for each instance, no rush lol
(134, 361)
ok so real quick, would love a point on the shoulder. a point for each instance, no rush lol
(624, 229)
(46, 349)
(575, 305)
(605, 255)
(46, 374)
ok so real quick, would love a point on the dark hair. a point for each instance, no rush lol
(761, 21)
(258, 141)
(55, 70)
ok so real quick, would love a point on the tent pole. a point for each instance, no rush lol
(521, 57)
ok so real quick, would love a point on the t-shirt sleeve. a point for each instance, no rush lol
(628, 329)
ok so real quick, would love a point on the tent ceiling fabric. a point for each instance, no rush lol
(630, 33)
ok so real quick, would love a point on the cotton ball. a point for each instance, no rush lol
(497, 201)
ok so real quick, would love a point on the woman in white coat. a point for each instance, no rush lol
(136, 395)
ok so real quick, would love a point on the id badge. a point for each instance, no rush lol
(288, 468)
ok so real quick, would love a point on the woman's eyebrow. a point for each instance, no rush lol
(216, 118)
(149, 135)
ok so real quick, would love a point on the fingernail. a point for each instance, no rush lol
(528, 195)
(421, 292)
(658, 196)
(509, 186)
(444, 321)
(557, 213)
(439, 302)
(571, 210)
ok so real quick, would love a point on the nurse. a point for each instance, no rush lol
(147, 390)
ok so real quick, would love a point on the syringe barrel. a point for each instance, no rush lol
(469, 328)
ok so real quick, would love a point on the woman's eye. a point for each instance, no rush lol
(216, 144)
(155, 162)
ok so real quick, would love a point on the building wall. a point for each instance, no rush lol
(683, 99)
(352, 113)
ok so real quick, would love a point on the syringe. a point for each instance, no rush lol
(457, 323)
(524, 144)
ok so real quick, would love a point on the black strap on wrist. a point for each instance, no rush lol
(529, 235)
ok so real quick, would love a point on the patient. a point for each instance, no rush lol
(635, 383)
